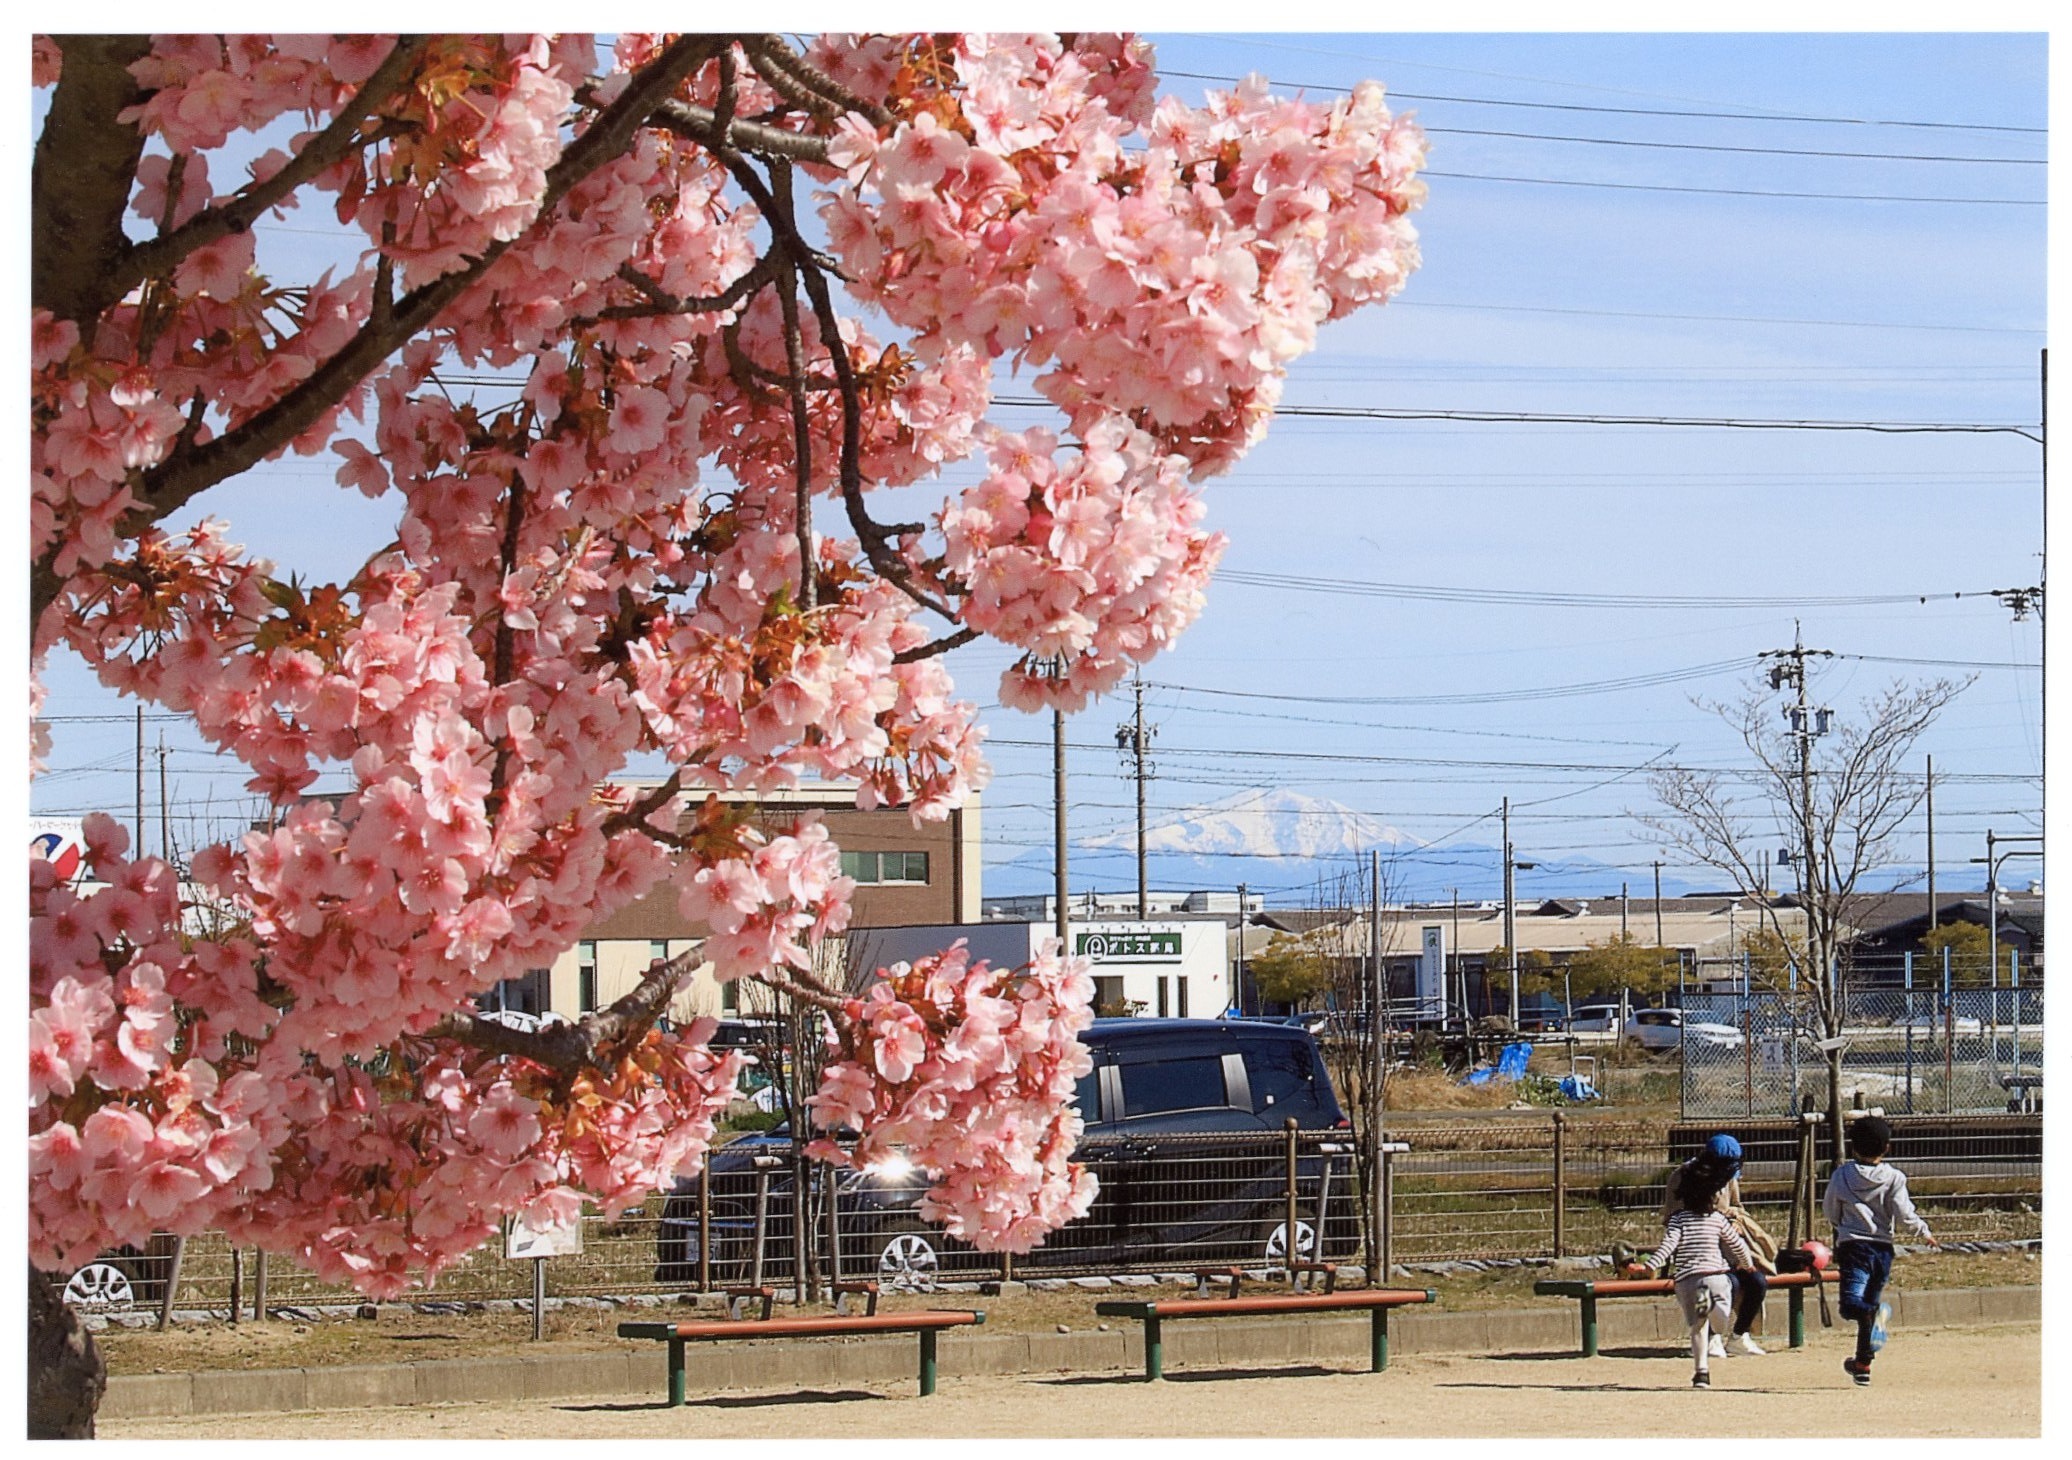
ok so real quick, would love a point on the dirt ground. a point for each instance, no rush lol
(1930, 1383)
(399, 1334)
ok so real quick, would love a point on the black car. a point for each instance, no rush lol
(1185, 1128)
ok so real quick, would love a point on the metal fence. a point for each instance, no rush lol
(1909, 1051)
(1567, 1185)
(1501, 1187)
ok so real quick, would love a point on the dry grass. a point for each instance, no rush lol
(1427, 1090)
(398, 1335)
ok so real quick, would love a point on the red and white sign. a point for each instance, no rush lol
(60, 842)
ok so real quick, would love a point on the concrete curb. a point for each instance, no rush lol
(641, 1368)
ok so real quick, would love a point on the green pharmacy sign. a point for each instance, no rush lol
(1129, 947)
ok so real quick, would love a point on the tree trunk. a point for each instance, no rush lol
(66, 1376)
(1836, 1144)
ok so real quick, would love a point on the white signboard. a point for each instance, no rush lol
(521, 1240)
(1431, 974)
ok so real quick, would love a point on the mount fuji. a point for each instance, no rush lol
(1295, 849)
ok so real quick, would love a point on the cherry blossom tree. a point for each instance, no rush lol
(634, 336)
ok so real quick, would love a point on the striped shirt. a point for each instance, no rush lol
(1700, 1244)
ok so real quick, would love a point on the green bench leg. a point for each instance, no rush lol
(927, 1361)
(675, 1373)
(1154, 1350)
(1798, 1317)
(1380, 1339)
(1590, 1326)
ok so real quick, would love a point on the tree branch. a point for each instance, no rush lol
(940, 646)
(799, 81)
(179, 479)
(598, 1038)
(86, 162)
(158, 256)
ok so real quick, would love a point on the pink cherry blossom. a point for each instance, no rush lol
(596, 565)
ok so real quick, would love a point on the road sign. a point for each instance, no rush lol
(521, 1240)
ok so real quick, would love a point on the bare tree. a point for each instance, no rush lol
(1838, 791)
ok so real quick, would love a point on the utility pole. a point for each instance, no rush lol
(137, 847)
(165, 818)
(1623, 935)
(1057, 781)
(1658, 904)
(1807, 722)
(1931, 846)
(1453, 952)
(1377, 1074)
(1510, 916)
(1238, 993)
(1133, 740)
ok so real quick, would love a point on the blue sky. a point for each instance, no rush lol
(1542, 297)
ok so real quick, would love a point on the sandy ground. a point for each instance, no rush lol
(1940, 1382)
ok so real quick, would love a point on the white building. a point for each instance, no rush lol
(1175, 968)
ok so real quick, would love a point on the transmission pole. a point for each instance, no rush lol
(165, 817)
(1134, 740)
(138, 849)
(1510, 916)
(1057, 780)
(1807, 722)
(1931, 846)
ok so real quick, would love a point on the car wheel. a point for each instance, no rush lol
(1277, 1244)
(100, 1287)
(907, 1263)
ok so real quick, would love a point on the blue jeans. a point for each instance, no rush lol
(1864, 1266)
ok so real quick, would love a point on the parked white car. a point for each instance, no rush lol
(1659, 1029)
(1933, 1023)
(1594, 1019)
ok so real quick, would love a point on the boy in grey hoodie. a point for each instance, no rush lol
(1866, 1200)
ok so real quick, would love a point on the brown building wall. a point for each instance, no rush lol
(885, 906)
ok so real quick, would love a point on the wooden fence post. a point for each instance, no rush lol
(1560, 1184)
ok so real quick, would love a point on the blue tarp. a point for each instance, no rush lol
(1510, 1065)
(1575, 1087)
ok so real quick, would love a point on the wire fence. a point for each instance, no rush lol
(1909, 1051)
(1539, 1186)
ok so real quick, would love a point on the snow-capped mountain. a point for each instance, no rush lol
(1260, 823)
(1294, 848)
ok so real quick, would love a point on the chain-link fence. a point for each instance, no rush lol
(1500, 1187)
(1908, 1051)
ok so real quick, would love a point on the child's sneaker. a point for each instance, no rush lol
(1744, 1343)
(1703, 1380)
(1879, 1325)
(1861, 1373)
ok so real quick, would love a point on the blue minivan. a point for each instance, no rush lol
(1185, 1128)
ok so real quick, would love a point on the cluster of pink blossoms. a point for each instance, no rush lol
(966, 1071)
(565, 590)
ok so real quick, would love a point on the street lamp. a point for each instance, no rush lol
(1993, 893)
(1511, 923)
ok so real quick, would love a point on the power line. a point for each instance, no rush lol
(1639, 111)
(1550, 599)
(1567, 182)
(1725, 147)
(1567, 418)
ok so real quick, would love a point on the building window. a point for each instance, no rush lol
(1163, 985)
(908, 868)
(586, 976)
(730, 996)
(1182, 982)
(658, 951)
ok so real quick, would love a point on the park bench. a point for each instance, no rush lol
(721, 1330)
(1591, 1292)
(1377, 1302)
